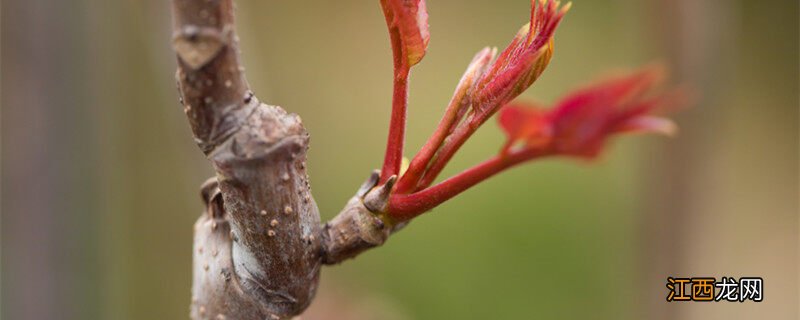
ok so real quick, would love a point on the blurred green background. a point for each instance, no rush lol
(100, 173)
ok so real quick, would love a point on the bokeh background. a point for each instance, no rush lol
(100, 174)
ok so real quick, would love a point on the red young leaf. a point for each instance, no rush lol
(408, 18)
(525, 123)
(525, 58)
(582, 121)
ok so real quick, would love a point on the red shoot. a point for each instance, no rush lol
(577, 126)
(456, 109)
(490, 87)
(408, 28)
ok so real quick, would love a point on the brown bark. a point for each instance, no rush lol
(259, 247)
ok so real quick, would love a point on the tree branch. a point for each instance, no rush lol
(259, 247)
(361, 225)
(256, 255)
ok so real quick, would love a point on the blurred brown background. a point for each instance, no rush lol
(100, 175)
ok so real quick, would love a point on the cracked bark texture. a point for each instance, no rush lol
(259, 246)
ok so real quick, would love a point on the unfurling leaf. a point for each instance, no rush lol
(525, 123)
(408, 23)
(523, 61)
(461, 97)
(581, 122)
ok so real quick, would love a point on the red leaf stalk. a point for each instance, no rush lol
(407, 21)
(404, 207)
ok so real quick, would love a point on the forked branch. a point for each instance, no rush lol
(257, 249)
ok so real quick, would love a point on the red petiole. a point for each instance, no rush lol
(404, 207)
(397, 125)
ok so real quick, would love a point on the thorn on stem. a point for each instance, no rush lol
(377, 199)
(370, 183)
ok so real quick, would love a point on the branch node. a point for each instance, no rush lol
(359, 226)
(370, 183)
(197, 46)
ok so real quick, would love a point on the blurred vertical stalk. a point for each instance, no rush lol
(48, 246)
(29, 208)
(727, 200)
(693, 35)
